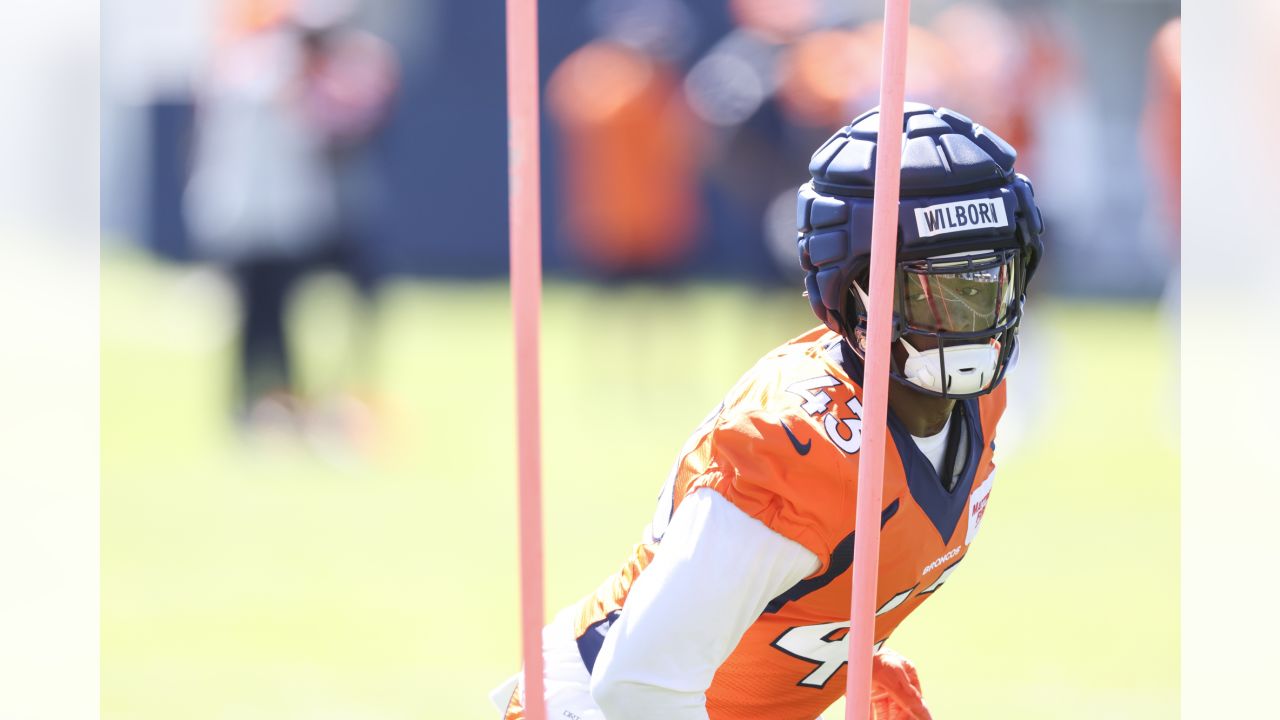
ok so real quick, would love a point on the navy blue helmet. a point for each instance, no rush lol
(968, 243)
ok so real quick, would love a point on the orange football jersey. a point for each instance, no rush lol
(784, 448)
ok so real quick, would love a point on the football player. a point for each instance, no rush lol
(735, 606)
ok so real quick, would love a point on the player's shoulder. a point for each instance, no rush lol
(769, 387)
(770, 450)
(807, 346)
(781, 402)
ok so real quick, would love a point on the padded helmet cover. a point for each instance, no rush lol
(949, 164)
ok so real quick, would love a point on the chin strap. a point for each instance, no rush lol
(969, 368)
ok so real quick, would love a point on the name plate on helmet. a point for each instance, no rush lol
(959, 216)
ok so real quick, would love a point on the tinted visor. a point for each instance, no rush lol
(963, 293)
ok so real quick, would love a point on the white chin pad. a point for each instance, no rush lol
(970, 368)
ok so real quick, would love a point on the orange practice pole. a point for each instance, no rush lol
(875, 381)
(526, 298)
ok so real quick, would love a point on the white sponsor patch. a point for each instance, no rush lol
(977, 507)
(963, 215)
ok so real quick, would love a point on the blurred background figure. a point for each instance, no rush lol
(1161, 128)
(675, 130)
(988, 57)
(630, 163)
(290, 96)
(833, 72)
(755, 151)
(1160, 137)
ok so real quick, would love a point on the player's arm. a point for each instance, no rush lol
(712, 576)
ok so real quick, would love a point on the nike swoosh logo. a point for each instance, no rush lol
(802, 448)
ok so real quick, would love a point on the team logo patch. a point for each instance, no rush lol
(963, 215)
(978, 507)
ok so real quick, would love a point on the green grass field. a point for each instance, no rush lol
(275, 579)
